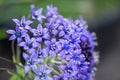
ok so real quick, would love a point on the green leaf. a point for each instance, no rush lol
(14, 77)
(19, 76)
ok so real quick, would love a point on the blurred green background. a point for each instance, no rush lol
(102, 17)
(93, 11)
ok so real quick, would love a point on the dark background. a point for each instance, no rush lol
(102, 17)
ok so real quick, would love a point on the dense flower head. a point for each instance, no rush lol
(57, 48)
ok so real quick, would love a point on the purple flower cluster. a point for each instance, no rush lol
(58, 48)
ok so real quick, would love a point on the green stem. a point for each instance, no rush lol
(57, 62)
(9, 71)
(13, 51)
(6, 60)
(18, 54)
(53, 70)
(20, 65)
(12, 72)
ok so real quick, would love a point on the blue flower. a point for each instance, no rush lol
(65, 30)
(69, 71)
(42, 73)
(77, 57)
(29, 44)
(37, 13)
(83, 67)
(40, 33)
(52, 27)
(18, 34)
(51, 11)
(23, 23)
(80, 23)
(66, 49)
(41, 53)
(53, 47)
(74, 41)
(30, 61)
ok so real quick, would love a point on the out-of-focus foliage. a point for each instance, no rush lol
(106, 9)
(3, 34)
(101, 5)
(16, 8)
(89, 9)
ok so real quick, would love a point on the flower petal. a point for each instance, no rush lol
(61, 33)
(25, 56)
(27, 38)
(46, 36)
(35, 69)
(37, 78)
(39, 28)
(39, 39)
(48, 78)
(54, 32)
(44, 53)
(27, 69)
(12, 37)
(42, 67)
(53, 40)
(22, 44)
(35, 44)
(28, 22)
(39, 11)
(28, 27)
(52, 53)
(47, 43)
(16, 21)
(49, 71)
(23, 19)
(10, 31)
